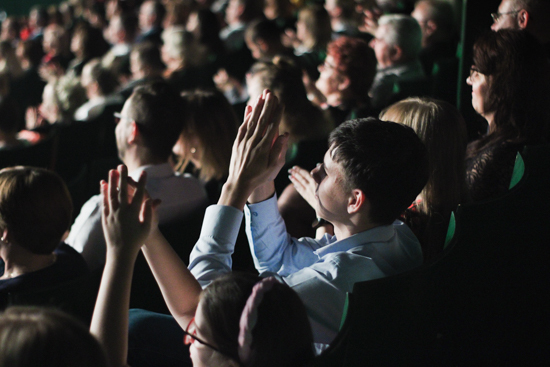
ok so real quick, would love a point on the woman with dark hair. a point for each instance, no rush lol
(511, 90)
(87, 43)
(35, 212)
(204, 146)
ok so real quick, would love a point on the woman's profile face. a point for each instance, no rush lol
(480, 89)
(202, 355)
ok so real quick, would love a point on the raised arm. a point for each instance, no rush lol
(258, 154)
(126, 223)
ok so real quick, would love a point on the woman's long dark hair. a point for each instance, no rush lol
(517, 69)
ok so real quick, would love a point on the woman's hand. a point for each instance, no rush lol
(303, 183)
(126, 217)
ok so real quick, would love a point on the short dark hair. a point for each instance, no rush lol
(156, 109)
(148, 54)
(160, 12)
(264, 29)
(385, 160)
(356, 60)
(35, 205)
(32, 51)
(104, 77)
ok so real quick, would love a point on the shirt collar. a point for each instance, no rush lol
(153, 171)
(377, 234)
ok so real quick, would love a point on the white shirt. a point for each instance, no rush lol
(181, 195)
(320, 271)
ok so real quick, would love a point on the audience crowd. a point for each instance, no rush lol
(346, 168)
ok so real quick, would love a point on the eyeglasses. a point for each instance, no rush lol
(474, 71)
(496, 16)
(118, 117)
(191, 335)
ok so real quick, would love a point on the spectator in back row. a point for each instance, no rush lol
(100, 85)
(151, 17)
(439, 37)
(529, 15)
(397, 44)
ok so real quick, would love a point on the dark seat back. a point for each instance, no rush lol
(36, 155)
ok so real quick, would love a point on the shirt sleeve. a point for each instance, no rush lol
(272, 248)
(86, 234)
(211, 256)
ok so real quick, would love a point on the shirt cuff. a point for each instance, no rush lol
(222, 221)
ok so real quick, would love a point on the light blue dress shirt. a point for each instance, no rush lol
(320, 271)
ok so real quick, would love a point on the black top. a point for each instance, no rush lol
(68, 265)
(488, 173)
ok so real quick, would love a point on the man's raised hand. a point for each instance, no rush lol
(258, 152)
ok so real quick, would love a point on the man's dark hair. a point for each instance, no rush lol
(156, 109)
(264, 29)
(104, 77)
(129, 23)
(160, 12)
(385, 160)
(148, 54)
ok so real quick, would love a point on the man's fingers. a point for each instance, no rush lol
(113, 192)
(140, 190)
(104, 191)
(122, 185)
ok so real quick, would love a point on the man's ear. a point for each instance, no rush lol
(344, 83)
(396, 53)
(357, 201)
(523, 18)
(134, 133)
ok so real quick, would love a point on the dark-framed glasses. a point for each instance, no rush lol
(496, 16)
(191, 336)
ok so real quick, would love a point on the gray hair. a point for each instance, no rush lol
(403, 31)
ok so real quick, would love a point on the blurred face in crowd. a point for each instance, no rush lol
(382, 49)
(330, 82)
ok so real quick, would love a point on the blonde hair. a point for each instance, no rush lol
(317, 22)
(443, 131)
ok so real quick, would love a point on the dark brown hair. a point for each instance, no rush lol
(209, 118)
(282, 336)
(36, 207)
(518, 87)
(385, 160)
(32, 336)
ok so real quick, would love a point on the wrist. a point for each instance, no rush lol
(233, 195)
